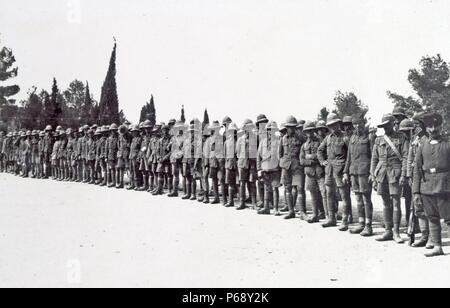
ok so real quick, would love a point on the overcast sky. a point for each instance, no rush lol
(235, 57)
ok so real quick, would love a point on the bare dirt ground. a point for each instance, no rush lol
(58, 234)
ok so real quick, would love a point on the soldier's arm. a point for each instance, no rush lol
(348, 161)
(259, 157)
(321, 152)
(405, 151)
(417, 171)
(375, 159)
(281, 148)
(409, 162)
(303, 160)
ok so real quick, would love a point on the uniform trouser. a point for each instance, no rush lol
(90, 170)
(317, 189)
(407, 194)
(365, 207)
(2, 163)
(176, 169)
(331, 187)
(300, 192)
(134, 167)
(437, 207)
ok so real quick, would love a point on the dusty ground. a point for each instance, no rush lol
(77, 235)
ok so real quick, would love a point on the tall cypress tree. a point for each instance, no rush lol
(52, 106)
(205, 118)
(152, 111)
(109, 103)
(182, 118)
(87, 108)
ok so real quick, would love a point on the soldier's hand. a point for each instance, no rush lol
(402, 181)
(345, 178)
(325, 163)
(417, 199)
(260, 174)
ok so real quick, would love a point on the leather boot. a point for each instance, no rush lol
(361, 226)
(242, 199)
(368, 231)
(230, 202)
(331, 222)
(261, 194)
(290, 201)
(397, 219)
(315, 208)
(160, 188)
(253, 196)
(224, 194)
(436, 239)
(216, 199)
(388, 223)
(188, 191)
(425, 229)
(344, 225)
(174, 192)
(193, 190)
(266, 209)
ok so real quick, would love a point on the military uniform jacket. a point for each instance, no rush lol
(359, 155)
(111, 148)
(145, 142)
(5, 144)
(100, 151)
(152, 150)
(163, 149)
(70, 149)
(25, 148)
(123, 147)
(41, 146)
(62, 149)
(384, 159)
(34, 147)
(82, 143)
(55, 150)
(48, 144)
(412, 152)
(135, 147)
(244, 146)
(176, 148)
(309, 159)
(192, 149)
(90, 149)
(268, 151)
(433, 168)
(214, 151)
(289, 152)
(230, 154)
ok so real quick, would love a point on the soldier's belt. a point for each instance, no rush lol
(435, 170)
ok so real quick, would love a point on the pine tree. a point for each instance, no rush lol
(52, 111)
(7, 60)
(109, 103)
(182, 118)
(30, 118)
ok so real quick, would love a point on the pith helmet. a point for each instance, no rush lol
(172, 122)
(192, 128)
(29, 133)
(321, 124)
(147, 124)
(272, 125)
(123, 129)
(406, 125)
(418, 116)
(399, 112)
(135, 128)
(434, 119)
(113, 127)
(309, 125)
(69, 131)
(291, 121)
(233, 127)
(215, 125)
(226, 120)
(41, 134)
(332, 119)
(282, 127)
(48, 128)
(261, 119)
(387, 118)
(301, 123)
(247, 124)
(347, 120)
(98, 131)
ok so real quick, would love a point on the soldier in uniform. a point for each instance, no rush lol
(420, 136)
(2, 161)
(54, 155)
(192, 147)
(332, 154)
(213, 157)
(289, 153)
(357, 169)
(34, 153)
(407, 128)
(268, 168)
(40, 156)
(348, 129)
(111, 156)
(231, 169)
(123, 152)
(315, 174)
(152, 159)
(299, 189)
(62, 155)
(399, 114)
(389, 154)
(47, 151)
(103, 155)
(26, 154)
(432, 179)
(135, 148)
(142, 159)
(176, 155)
(261, 122)
(246, 150)
(89, 149)
(164, 168)
(71, 148)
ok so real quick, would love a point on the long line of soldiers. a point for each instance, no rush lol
(329, 160)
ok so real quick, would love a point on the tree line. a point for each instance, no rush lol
(75, 106)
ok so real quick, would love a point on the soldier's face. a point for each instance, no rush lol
(335, 127)
(291, 131)
(309, 133)
(434, 131)
(389, 128)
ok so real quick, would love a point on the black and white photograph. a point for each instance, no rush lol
(223, 144)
